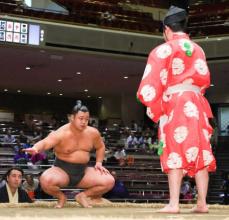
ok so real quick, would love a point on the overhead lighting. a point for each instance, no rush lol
(85, 90)
(78, 73)
(60, 94)
(18, 91)
(212, 85)
(89, 96)
(100, 97)
(27, 67)
(59, 80)
(125, 77)
(5, 90)
(49, 93)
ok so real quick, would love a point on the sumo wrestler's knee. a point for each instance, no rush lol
(47, 181)
(110, 181)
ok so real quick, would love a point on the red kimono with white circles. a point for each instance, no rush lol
(185, 131)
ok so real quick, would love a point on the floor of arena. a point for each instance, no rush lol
(117, 211)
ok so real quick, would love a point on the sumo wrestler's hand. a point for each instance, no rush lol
(101, 168)
(31, 150)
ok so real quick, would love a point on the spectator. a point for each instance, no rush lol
(186, 191)
(134, 126)
(17, 146)
(120, 155)
(225, 187)
(214, 137)
(22, 137)
(26, 144)
(8, 138)
(12, 192)
(21, 157)
(3, 181)
(148, 141)
(119, 190)
(132, 141)
(30, 185)
(39, 193)
(37, 135)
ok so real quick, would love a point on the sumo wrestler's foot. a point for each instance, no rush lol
(61, 201)
(82, 199)
(169, 209)
(199, 209)
(99, 201)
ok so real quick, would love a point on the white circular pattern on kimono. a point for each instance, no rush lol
(180, 134)
(148, 93)
(201, 67)
(147, 71)
(149, 113)
(188, 81)
(191, 110)
(177, 66)
(206, 134)
(174, 161)
(163, 76)
(191, 154)
(163, 51)
(182, 43)
(170, 116)
(208, 158)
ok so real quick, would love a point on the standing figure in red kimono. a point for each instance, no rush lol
(172, 88)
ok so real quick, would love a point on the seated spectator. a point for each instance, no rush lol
(130, 160)
(3, 181)
(134, 126)
(21, 157)
(141, 144)
(120, 155)
(8, 137)
(12, 192)
(132, 141)
(22, 137)
(119, 190)
(186, 191)
(225, 187)
(30, 185)
(37, 135)
(39, 193)
(148, 141)
(26, 144)
(17, 146)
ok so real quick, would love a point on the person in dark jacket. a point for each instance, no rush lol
(12, 192)
(119, 190)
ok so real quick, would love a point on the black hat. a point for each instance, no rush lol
(174, 15)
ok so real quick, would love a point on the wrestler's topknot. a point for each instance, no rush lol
(79, 107)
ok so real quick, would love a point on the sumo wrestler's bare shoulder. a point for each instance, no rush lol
(93, 132)
(61, 131)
